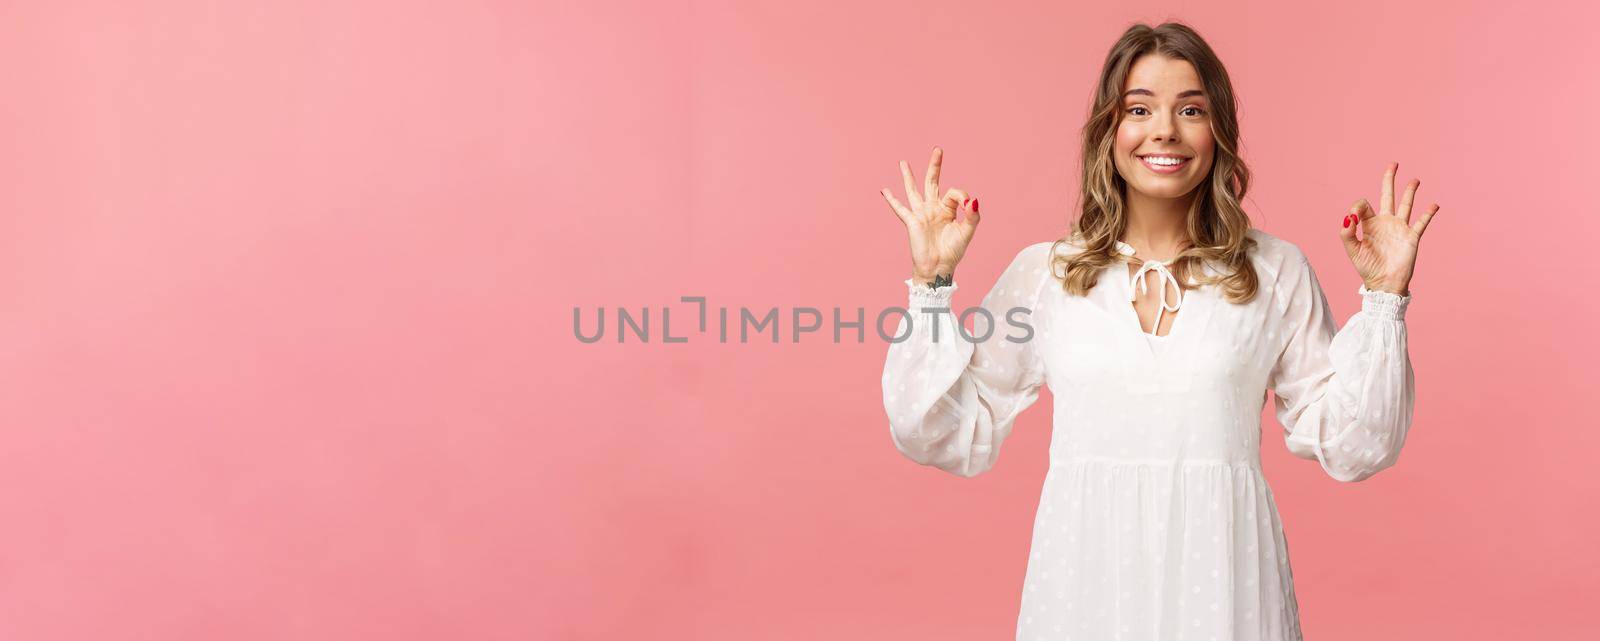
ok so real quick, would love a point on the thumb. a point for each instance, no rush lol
(1352, 220)
(969, 226)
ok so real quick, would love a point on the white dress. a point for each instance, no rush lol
(1155, 522)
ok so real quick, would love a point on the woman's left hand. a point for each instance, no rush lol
(1387, 252)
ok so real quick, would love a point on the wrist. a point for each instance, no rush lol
(1398, 288)
(938, 278)
(1389, 283)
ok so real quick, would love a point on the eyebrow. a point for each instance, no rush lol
(1147, 92)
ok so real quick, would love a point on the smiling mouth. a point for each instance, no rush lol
(1164, 164)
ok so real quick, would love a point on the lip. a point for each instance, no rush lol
(1166, 169)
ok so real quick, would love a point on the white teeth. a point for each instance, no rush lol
(1163, 160)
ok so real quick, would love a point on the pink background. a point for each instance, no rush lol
(286, 299)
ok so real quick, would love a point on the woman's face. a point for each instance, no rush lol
(1165, 117)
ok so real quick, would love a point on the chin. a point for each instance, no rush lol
(1168, 191)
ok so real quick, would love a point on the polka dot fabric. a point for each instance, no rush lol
(1155, 521)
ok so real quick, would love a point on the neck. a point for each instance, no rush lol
(1156, 225)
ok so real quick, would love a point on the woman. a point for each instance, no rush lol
(1159, 323)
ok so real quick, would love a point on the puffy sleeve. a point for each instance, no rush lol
(952, 398)
(1344, 399)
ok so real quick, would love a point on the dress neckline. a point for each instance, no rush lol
(1136, 282)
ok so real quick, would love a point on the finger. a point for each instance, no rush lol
(1363, 210)
(931, 186)
(1422, 219)
(900, 210)
(951, 203)
(1405, 200)
(1386, 204)
(912, 194)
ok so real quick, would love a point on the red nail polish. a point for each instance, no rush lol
(1347, 220)
(974, 204)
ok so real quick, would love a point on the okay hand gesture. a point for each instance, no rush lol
(1386, 254)
(938, 233)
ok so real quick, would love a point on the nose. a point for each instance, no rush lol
(1163, 129)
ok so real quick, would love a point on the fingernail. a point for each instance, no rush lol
(1347, 220)
(974, 204)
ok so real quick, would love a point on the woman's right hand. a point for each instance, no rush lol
(938, 238)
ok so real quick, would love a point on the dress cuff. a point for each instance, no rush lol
(1384, 304)
(924, 296)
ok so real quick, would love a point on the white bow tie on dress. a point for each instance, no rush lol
(1163, 276)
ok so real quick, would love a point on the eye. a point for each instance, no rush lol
(1131, 109)
(1197, 110)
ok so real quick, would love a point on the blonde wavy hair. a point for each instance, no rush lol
(1217, 226)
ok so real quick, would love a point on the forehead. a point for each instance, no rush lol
(1163, 75)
